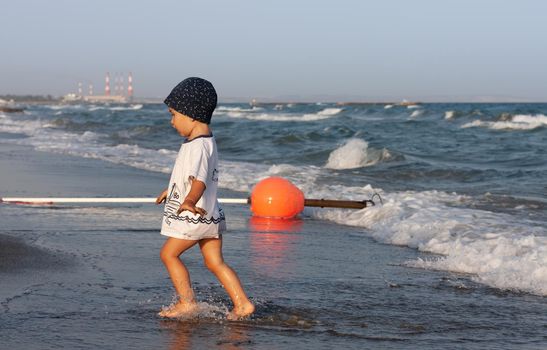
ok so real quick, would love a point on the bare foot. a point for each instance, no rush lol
(178, 310)
(241, 312)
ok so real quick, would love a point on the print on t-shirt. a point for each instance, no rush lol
(173, 203)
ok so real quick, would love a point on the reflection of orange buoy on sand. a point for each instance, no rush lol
(260, 224)
(274, 243)
(276, 197)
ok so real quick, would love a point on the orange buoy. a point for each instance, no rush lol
(276, 197)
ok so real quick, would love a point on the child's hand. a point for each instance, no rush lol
(161, 198)
(190, 205)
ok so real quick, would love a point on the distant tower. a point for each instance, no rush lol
(130, 86)
(80, 89)
(90, 89)
(107, 84)
(116, 84)
(120, 88)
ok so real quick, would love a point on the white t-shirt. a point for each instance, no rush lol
(197, 158)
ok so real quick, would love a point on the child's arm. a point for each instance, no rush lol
(162, 196)
(196, 191)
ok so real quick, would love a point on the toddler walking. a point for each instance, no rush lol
(192, 213)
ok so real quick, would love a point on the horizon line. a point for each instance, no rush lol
(303, 100)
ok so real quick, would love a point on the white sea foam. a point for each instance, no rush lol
(355, 153)
(495, 248)
(221, 109)
(517, 122)
(449, 115)
(134, 107)
(388, 106)
(293, 117)
(18, 127)
(330, 111)
(60, 107)
(416, 113)
(472, 124)
(128, 108)
(43, 137)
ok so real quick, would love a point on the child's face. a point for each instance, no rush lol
(183, 124)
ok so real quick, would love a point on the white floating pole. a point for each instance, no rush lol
(58, 200)
(322, 203)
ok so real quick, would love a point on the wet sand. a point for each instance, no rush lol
(17, 255)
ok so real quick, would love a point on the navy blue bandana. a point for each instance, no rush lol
(195, 98)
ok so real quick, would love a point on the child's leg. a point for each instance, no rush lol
(180, 277)
(212, 253)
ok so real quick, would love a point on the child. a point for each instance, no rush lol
(192, 213)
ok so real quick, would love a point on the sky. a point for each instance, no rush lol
(308, 50)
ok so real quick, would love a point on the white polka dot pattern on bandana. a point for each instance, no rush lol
(195, 98)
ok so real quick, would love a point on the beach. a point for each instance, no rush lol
(89, 276)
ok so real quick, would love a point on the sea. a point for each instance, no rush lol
(452, 255)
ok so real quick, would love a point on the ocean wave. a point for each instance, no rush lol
(330, 111)
(495, 249)
(135, 107)
(221, 109)
(278, 117)
(43, 135)
(355, 153)
(242, 176)
(128, 108)
(19, 127)
(132, 155)
(516, 122)
(62, 106)
(449, 115)
(416, 113)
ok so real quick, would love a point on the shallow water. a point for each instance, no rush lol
(109, 284)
